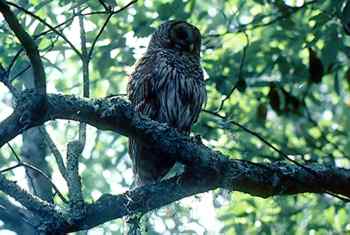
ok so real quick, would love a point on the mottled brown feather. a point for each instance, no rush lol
(167, 86)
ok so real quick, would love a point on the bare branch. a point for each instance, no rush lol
(255, 179)
(31, 202)
(111, 13)
(104, 5)
(76, 201)
(114, 12)
(10, 168)
(241, 65)
(99, 34)
(29, 166)
(17, 218)
(37, 36)
(14, 153)
(56, 153)
(86, 79)
(280, 152)
(117, 115)
(211, 169)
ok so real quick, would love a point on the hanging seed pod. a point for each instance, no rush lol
(345, 19)
(347, 77)
(261, 113)
(276, 99)
(316, 70)
(241, 85)
(293, 104)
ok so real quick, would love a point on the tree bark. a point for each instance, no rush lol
(34, 151)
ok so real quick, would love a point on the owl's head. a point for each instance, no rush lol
(177, 35)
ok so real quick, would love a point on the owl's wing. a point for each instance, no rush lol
(141, 87)
(167, 93)
(148, 166)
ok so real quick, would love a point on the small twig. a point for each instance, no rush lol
(14, 153)
(47, 25)
(108, 11)
(10, 168)
(4, 78)
(29, 45)
(262, 139)
(78, 84)
(56, 153)
(281, 153)
(104, 5)
(66, 22)
(241, 65)
(99, 34)
(254, 134)
(111, 13)
(20, 163)
(12, 63)
(47, 49)
(20, 73)
(86, 80)
(60, 195)
(96, 141)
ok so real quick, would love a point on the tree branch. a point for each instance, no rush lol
(76, 200)
(16, 218)
(255, 179)
(52, 28)
(115, 114)
(32, 203)
(210, 169)
(56, 153)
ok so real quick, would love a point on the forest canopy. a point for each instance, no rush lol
(271, 146)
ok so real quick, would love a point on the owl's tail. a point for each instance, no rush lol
(133, 226)
(148, 166)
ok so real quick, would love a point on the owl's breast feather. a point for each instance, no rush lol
(181, 92)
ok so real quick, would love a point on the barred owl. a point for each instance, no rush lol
(167, 86)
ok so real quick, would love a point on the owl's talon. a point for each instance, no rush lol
(197, 139)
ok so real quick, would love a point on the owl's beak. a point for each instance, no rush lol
(191, 47)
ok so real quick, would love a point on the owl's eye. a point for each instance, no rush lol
(181, 34)
(184, 37)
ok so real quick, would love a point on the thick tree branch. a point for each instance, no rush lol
(32, 203)
(28, 112)
(255, 179)
(17, 219)
(76, 200)
(210, 168)
(115, 114)
(142, 199)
